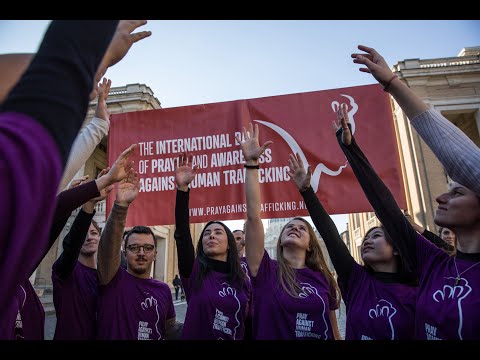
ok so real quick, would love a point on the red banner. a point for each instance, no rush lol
(295, 123)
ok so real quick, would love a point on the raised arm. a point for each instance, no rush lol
(61, 75)
(73, 241)
(456, 151)
(254, 234)
(184, 175)
(111, 239)
(75, 196)
(381, 199)
(376, 65)
(341, 258)
(453, 148)
(38, 121)
(88, 139)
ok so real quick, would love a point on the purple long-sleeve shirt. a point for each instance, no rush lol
(26, 212)
(38, 124)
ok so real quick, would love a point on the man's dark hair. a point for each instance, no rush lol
(139, 230)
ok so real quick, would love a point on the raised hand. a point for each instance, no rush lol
(184, 172)
(123, 39)
(122, 165)
(103, 89)
(375, 64)
(297, 172)
(89, 206)
(128, 189)
(251, 147)
(342, 123)
(78, 181)
(105, 191)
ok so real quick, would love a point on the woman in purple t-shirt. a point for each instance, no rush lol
(215, 285)
(295, 297)
(379, 296)
(449, 286)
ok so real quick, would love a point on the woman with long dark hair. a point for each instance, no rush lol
(379, 296)
(216, 290)
(449, 286)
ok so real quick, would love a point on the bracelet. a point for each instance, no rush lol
(252, 166)
(385, 88)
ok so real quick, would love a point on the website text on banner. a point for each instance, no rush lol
(295, 123)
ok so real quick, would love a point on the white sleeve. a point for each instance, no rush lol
(84, 145)
(458, 154)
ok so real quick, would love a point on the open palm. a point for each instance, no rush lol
(374, 64)
(128, 189)
(123, 39)
(122, 165)
(297, 172)
(185, 172)
(342, 124)
(184, 175)
(251, 146)
(101, 110)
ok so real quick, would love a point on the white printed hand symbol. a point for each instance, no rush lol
(230, 291)
(307, 290)
(245, 269)
(459, 290)
(384, 309)
(151, 303)
(227, 291)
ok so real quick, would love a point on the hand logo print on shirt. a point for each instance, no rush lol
(245, 269)
(18, 321)
(230, 291)
(321, 168)
(384, 309)
(459, 292)
(308, 290)
(151, 303)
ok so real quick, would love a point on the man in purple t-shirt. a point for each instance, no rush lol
(131, 305)
(74, 274)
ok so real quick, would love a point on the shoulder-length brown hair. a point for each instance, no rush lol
(314, 260)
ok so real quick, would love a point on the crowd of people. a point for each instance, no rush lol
(413, 284)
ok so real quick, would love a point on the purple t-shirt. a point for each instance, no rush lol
(243, 264)
(217, 309)
(446, 310)
(130, 308)
(75, 300)
(30, 322)
(279, 316)
(27, 206)
(376, 310)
